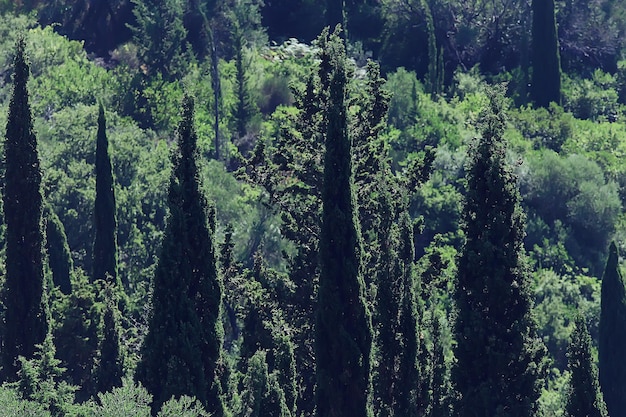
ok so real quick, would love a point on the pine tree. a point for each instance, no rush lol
(343, 333)
(105, 225)
(499, 358)
(584, 397)
(26, 312)
(611, 343)
(182, 349)
(59, 256)
(545, 82)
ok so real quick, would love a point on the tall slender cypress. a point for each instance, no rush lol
(182, 349)
(545, 83)
(25, 316)
(59, 256)
(612, 342)
(343, 333)
(105, 225)
(110, 367)
(499, 357)
(584, 397)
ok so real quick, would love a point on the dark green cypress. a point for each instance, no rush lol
(612, 343)
(499, 358)
(343, 333)
(584, 398)
(59, 255)
(25, 315)
(110, 367)
(182, 349)
(409, 373)
(545, 83)
(441, 390)
(105, 225)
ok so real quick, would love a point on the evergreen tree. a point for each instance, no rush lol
(499, 358)
(110, 367)
(105, 225)
(295, 154)
(26, 312)
(160, 36)
(262, 395)
(545, 82)
(77, 335)
(441, 390)
(611, 343)
(584, 398)
(409, 373)
(182, 349)
(343, 333)
(59, 256)
(41, 380)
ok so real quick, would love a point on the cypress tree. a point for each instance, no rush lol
(499, 358)
(105, 225)
(612, 343)
(25, 316)
(110, 367)
(343, 333)
(584, 398)
(440, 384)
(409, 374)
(545, 83)
(59, 256)
(182, 349)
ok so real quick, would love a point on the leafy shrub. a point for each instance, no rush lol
(595, 98)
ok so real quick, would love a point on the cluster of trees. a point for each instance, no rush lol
(281, 231)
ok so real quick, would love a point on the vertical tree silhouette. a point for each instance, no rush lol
(26, 313)
(343, 336)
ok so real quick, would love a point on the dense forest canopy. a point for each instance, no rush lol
(297, 208)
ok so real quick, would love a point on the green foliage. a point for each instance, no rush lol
(500, 361)
(584, 396)
(546, 128)
(161, 37)
(182, 407)
(77, 335)
(40, 380)
(59, 256)
(262, 393)
(611, 368)
(559, 298)
(26, 312)
(129, 400)
(109, 370)
(595, 98)
(571, 191)
(13, 405)
(343, 334)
